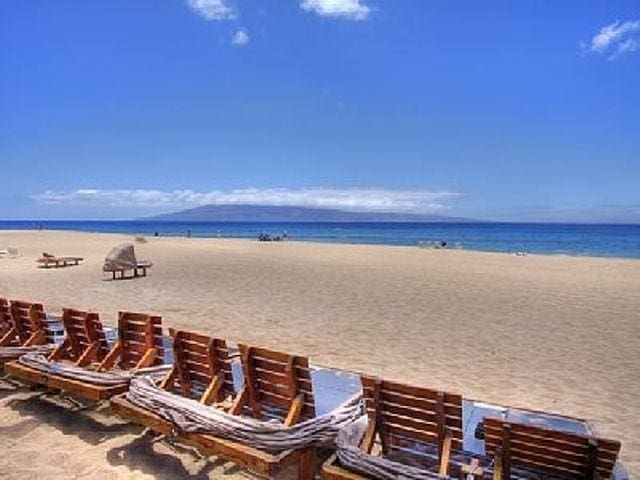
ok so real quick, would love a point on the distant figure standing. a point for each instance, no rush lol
(156, 234)
(188, 233)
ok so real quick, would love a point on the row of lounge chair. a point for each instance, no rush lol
(407, 425)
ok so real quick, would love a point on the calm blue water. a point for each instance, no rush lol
(571, 239)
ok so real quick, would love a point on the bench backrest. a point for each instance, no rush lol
(564, 454)
(198, 360)
(29, 318)
(83, 329)
(412, 418)
(273, 380)
(137, 333)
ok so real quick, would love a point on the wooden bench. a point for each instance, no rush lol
(139, 345)
(551, 452)
(140, 270)
(413, 425)
(277, 386)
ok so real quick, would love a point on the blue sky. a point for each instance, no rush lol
(505, 110)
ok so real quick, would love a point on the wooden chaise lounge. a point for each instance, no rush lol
(27, 328)
(548, 452)
(415, 426)
(276, 386)
(139, 345)
(48, 260)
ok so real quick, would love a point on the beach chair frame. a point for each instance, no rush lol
(260, 396)
(139, 345)
(553, 452)
(409, 418)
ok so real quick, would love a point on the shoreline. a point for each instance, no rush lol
(320, 242)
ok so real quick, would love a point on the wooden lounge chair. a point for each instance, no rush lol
(201, 368)
(27, 328)
(139, 345)
(277, 386)
(27, 325)
(544, 451)
(415, 425)
(85, 342)
(48, 260)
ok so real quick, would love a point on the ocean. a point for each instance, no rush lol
(569, 239)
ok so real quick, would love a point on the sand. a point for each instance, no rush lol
(555, 333)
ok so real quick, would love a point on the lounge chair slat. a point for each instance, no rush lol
(548, 445)
(410, 390)
(420, 424)
(390, 398)
(423, 410)
(279, 367)
(268, 377)
(545, 434)
(278, 389)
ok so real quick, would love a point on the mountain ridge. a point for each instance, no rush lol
(269, 213)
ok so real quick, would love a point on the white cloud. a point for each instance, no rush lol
(241, 37)
(213, 9)
(349, 9)
(616, 39)
(352, 199)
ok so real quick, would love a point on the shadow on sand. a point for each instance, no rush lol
(139, 454)
(89, 423)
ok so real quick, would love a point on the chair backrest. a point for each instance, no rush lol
(139, 332)
(273, 380)
(29, 318)
(84, 329)
(412, 418)
(554, 452)
(199, 359)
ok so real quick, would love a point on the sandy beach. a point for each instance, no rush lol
(553, 333)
